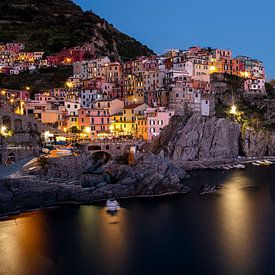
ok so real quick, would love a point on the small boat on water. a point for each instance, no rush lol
(240, 166)
(263, 163)
(112, 205)
(256, 164)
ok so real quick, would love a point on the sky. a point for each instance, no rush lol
(245, 26)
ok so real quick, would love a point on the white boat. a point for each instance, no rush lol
(112, 205)
(268, 162)
(240, 166)
(256, 164)
(64, 152)
(226, 167)
(262, 163)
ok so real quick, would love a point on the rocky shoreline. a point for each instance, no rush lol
(49, 187)
(186, 144)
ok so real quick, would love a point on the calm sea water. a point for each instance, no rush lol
(231, 232)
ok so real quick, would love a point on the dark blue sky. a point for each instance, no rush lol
(245, 26)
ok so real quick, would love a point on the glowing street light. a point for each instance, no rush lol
(69, 84)
(233, 110)
(87, 130)
(212, 68)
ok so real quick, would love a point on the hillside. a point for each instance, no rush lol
(43, 79)
(52, 25)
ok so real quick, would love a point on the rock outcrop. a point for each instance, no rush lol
(200, 138)
(84, 181)
(258, 143)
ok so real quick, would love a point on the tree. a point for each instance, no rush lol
(269, 87)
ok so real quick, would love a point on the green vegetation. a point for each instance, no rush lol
(269, 86)
(43, 79)
(51, 25)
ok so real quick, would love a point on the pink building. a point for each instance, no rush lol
(254, 86)
(15, 47)
(157, 119)
(98, 118)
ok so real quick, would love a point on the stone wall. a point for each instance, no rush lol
(26, 135)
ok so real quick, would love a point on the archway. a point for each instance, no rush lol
(100, 158)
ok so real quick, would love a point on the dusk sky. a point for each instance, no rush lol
(245, 26)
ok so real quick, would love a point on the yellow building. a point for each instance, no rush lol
(112, 72)
(216, 66)
(72, 122)
(125, 123)
(134, 88)
(142, 128)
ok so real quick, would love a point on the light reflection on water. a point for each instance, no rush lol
(231, 232)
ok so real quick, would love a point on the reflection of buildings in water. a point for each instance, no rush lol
(235, 216)
(272, 191)
(114, 238)
(20, 237)
(108, 232)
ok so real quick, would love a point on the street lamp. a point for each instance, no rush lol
(233, 110)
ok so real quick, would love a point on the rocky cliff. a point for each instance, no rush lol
(258, 143)
(200, 138)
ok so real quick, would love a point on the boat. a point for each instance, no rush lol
(268, 162)
(64, 152)
(262, 163)
(112, 205)
(226, 168)
(240, 166)
(256, 164)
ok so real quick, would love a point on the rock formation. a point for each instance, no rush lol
(200, 138)
(82, 180)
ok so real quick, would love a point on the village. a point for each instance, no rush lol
(107, 99)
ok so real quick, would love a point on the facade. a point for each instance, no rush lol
(157, 119)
